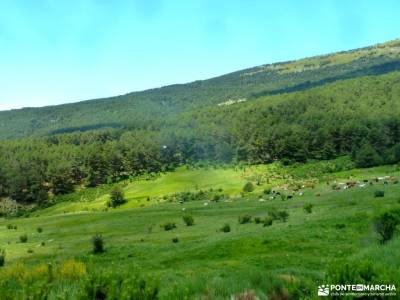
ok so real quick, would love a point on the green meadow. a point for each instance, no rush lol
(286, 260)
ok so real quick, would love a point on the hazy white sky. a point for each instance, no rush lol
(54, 52)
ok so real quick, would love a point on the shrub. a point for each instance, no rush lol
(30, 250)
(257, 220)
(308, 207)
(226, 228)
(39, 229)
(216, 198)
(267, 191)
(23, 238)
(2, 257)
(117, 197)
(175, 240)
(386, 224)
(168, 226)
(340, 226)
(244, 219)
(248, 187)
(9, 226)
(98, 244)
(283, 215)
(267, 221)
(188, 219)
(273, 214)
(379, 194)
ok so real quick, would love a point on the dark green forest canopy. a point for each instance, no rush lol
(141, 109)
(357, 117)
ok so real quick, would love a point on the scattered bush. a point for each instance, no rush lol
(23, 238)
(117, 197)
(340, 226)
(168, 226)
(226, 228)
(379, 194)
(244, 219)
(175, 240)
(2, 257)
(267, 221)
(283, 215)
(273, 214)
(267, 191)
(188, 219)
(248, 187)
(9, 226)
(30, 250)
(386, 224)
(308, 207)
(257, 220)
(216, 198)
(39, 229)
(98, 244)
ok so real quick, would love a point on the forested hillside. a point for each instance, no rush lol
(357, 117)
(140, 109)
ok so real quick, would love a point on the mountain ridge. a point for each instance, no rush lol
(139, 108)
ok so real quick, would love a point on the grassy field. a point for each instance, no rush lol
(287, 260)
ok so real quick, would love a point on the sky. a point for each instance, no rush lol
(55, 51)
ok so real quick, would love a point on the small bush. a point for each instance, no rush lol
(188, 219)
(39, 229)
(308, 207)
(117, 197)
(244, 219)
(379, 194)
(386, 224)
(168, 226)
(9, 226)
(216, 198)
(257, 220)
(273, 214)
(340, 226)
(226, 228)
(175, 240)
(30, 250)
(23, 238)
(98, 244)
(267, 191)
(283, 215)
(2, 257)
(248, 187)
(267, 221)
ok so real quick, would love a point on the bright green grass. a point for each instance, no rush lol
(304, 246)
(231, 180)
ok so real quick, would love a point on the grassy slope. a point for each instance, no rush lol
(304, 246)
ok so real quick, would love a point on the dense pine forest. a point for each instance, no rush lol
(356, 117)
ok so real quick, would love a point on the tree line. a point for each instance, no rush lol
(358, 117)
